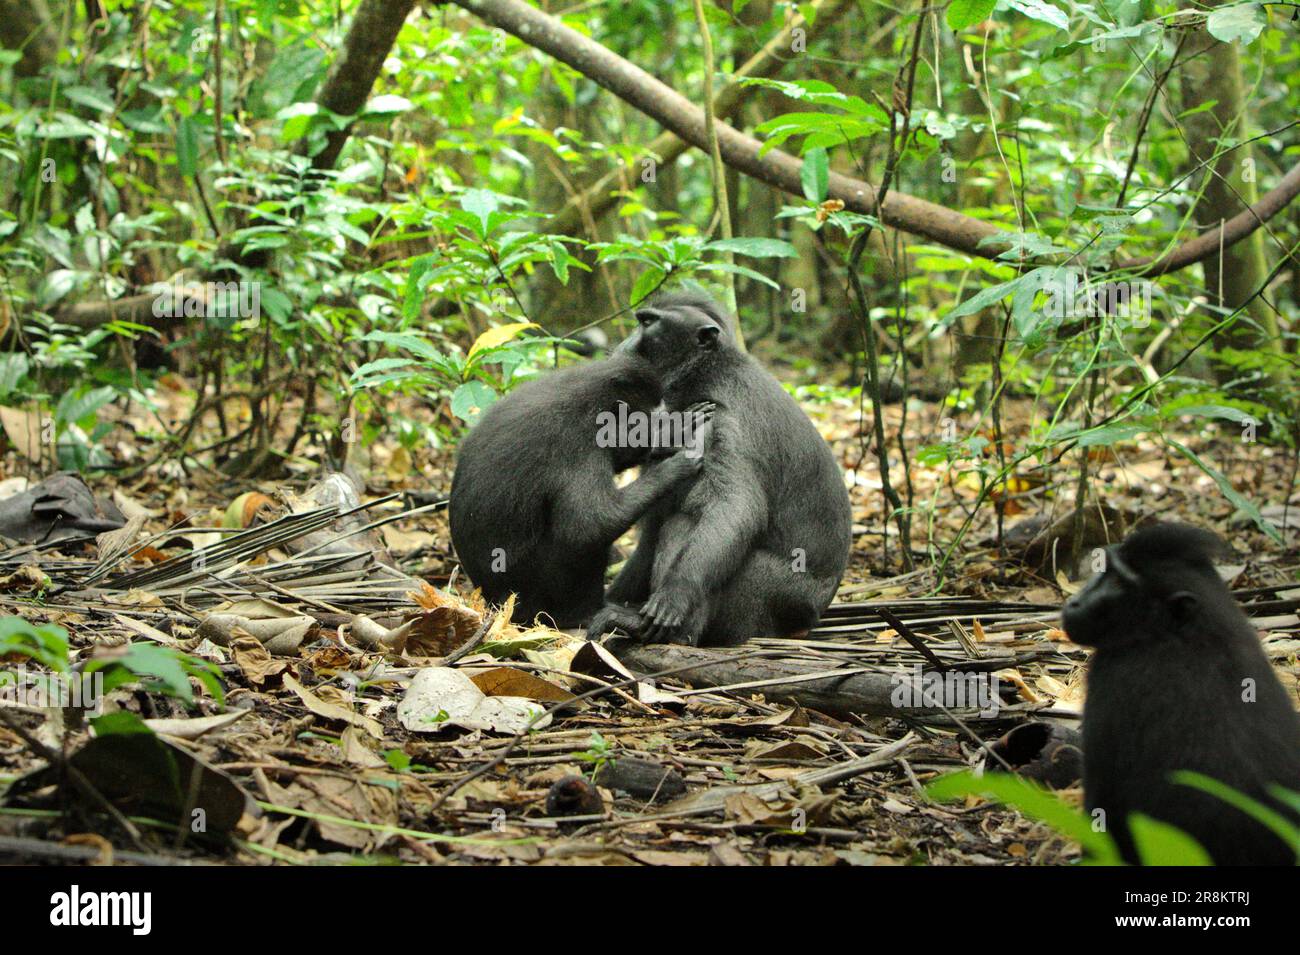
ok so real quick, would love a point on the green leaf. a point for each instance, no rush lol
(755, 247)
(1213, 411)
(480, 203)
(120, 723)
(383, 371)
(298, 118)
(160, 670)
(397, 760)
(1246, 506)
(79, 407)
(814, 175)
(1109, 434)
(472, 399)
(1278, 824)
(97, 99)
(1034, 802)
(983, 299)
(1241, 21)
(13, 368)
(648, 281)
(161, 663)
(967, 13)
(1159, 843)
(46, 644)
(1041, 11)
(404, 341)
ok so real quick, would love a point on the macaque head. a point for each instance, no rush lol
(1158, 582)
(673, 330)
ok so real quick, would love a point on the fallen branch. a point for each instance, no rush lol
(862, 691)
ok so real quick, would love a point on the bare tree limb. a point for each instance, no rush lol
(599, 197)
(900, 210)
(353, 73)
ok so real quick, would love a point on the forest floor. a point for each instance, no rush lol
(374, 710)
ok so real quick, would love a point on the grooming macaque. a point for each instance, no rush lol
(757, 544)
(534, 507)
(1179, 681)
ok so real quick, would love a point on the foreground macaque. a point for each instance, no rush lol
(1179, 681)
(757, 545)
(534, 507)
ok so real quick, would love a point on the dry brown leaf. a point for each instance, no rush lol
(507, 681)
(333, 711)
(23, 428)
(255, 661)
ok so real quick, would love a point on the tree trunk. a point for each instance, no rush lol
(1230, 279)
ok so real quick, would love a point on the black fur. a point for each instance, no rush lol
(1165, 693)
(716, 561)
(531, 481)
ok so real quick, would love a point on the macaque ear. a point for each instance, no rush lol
(707, 336)
(1183, 605)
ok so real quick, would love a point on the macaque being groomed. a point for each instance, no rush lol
(534, 507)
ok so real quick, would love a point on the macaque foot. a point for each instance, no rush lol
(664, 618)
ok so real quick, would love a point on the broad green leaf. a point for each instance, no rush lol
(472, 399)
(1278, 824)
(13, 367)
(1214, 411)
(77, 407)
(384, 371)
(983, 299)
(1109, 434)
(1040, 10)
(647, 282)
(405, 341)
(966, 13)
(1241, 21)
(417, 280)
(1159, 843)
(739, 270)
(814, 175)
(119, 723)
(755, 247)
(97, 99)
(1245, 505)
(480, 203)
(1034, 802)
(297, 119)
(46, 644)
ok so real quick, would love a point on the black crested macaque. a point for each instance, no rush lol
(1179, 681)
(534, 508)
(757, 545)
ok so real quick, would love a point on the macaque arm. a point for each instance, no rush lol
(724, 535)
(632, 585)
(596, 516)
